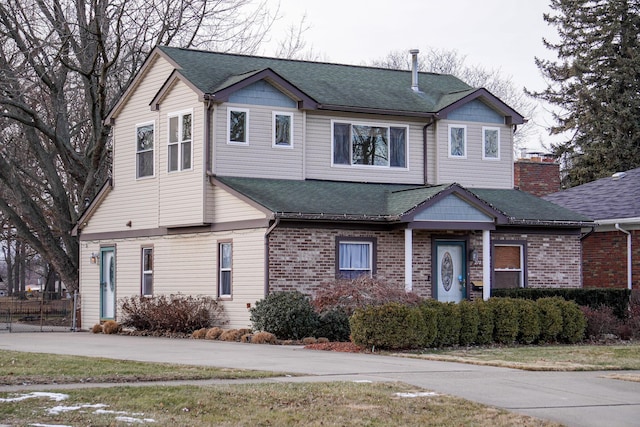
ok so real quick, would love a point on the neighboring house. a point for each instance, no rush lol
(235, 176)
(611, 249)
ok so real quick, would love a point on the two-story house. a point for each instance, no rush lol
(235, 176)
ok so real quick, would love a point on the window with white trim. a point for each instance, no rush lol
(179, 144)
(225, 262)
(237, 126)
(282, 130)
(369, 145)
(508, 266)
(355, 257)
(458, 141)
(147, 272)
(144, 150)
(490, 143)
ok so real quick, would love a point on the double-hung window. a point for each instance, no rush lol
(508, 265)
(355, 257)
(283, 130)
(458, 141)
(490, 143)
(179, 146)
(144, 150)
(237, 126)
(147, 272)
(225, 254)
(369, 145)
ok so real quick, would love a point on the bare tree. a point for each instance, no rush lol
(63, 64)
(443, 61)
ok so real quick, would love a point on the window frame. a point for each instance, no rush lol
(373, 244)
(484, 142)
(246, 125)
(465, 141)
(180, 142)
(523, 261)
(386, 125)
(152, 150)
(274, 143)
(222, 269)
(147, 272)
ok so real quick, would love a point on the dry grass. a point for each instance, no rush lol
(545, 358)
(624, 377)
(315, 404)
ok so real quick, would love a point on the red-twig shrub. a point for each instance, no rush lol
(600, 321)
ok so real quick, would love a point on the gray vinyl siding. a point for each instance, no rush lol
(184, 264)
(258, 158)
(473, 171)
(319, 151)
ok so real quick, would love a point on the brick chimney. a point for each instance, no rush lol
(537, 175)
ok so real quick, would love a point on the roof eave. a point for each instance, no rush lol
(382, 111)
(92, 207)
(550, 223)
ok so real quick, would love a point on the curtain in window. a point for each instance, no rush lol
(354, 259)
(341, 141)
(398, 147)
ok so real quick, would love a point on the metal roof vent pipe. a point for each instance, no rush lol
(414, 69)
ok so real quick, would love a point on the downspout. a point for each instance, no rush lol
(424, 149)
(629, 256)
(207, 137)
(276, 222)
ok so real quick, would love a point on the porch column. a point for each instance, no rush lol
(408, 260)
(486, 264)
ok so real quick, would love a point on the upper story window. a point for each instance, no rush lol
(283, 130)
(144, 150)
(491, 143)
(179, 146)
(458, 141)
(238, 126)
(369, 145)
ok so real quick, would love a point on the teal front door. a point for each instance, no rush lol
(107, 283)
(450, 270)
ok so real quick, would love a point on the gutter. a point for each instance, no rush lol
(629, 255)
(207, 136)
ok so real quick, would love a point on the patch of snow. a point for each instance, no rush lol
(58, 409)
(135, 420)
(419, 394)
(362, 381)
(53, 396)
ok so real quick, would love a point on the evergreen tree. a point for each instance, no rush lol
(596, 82)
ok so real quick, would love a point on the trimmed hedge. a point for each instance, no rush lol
(617, 299)
(287, 315)
(550, 318)
(529, 321)
(469, 322)
(390, 326)
(448, 322)
(505, 320)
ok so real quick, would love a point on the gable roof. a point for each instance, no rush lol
(391, 203)
(605, 198)
(329, 86)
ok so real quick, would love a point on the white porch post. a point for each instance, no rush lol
(408, 260)
(486, 264)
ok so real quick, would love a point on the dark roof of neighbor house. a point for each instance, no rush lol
(605, 198)
(333, 86)
(332, 200)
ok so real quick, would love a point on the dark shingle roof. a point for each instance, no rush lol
(605, 198)
(327, 84)
(333, 200)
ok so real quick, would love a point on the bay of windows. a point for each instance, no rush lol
(359, 144)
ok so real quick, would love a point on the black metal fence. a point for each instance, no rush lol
(39, 312)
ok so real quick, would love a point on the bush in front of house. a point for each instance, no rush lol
(528, 320)
(174, 313)
(448, 322)
(334, 325)
(574, 323)
(469, 322)
(600, 321)
(550, 310)
(287, 315)
(390, 326)
(430, 318)
(485, 322)
(506, 324)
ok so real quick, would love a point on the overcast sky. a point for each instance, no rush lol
(497, 34)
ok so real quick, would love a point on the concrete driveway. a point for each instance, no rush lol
(572, 398)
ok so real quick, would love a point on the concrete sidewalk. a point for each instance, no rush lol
(572, 398)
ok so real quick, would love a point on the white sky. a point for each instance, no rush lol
(496, 34)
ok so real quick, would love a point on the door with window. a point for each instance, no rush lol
(450, 271)
(107, 283)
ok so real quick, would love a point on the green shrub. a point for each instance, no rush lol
(287, 315)
(334, 325)
(448, 321)
(574, 323)
(469, 322)
(485, 324)
(550, 310)
(389, 326)
(430, 319)
(528, 321)
(505, 320)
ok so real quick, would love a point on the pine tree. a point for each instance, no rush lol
(596, 82)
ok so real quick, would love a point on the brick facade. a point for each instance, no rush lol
(305, 258)
(605, 260)
(536, 177)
